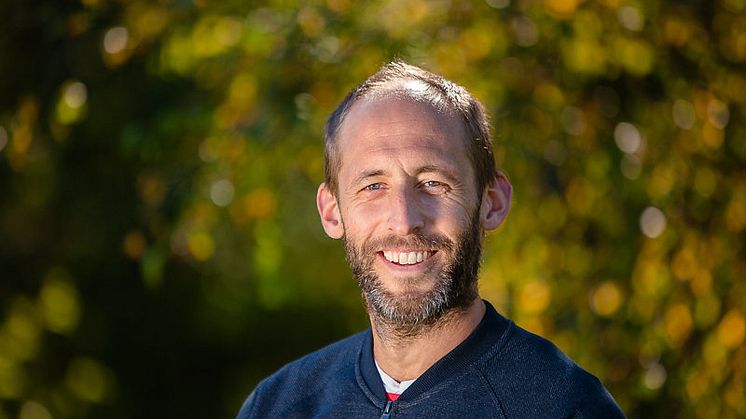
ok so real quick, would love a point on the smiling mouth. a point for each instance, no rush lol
(407, 258)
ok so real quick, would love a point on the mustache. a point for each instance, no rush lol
(414, 240)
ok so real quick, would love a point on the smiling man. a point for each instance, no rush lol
(411, 188)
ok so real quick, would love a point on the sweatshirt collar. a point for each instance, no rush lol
(485, 335)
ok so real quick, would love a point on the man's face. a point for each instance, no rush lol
(409, 207)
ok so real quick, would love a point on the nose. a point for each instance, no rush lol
(405, 215)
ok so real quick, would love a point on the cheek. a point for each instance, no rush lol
(367, 211)
(360, 220)
(449, 212)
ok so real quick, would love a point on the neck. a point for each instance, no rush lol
(405, 356)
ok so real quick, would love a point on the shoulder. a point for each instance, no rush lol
(300, 379)
(530, 373)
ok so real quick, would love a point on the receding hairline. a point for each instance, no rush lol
(398, 95)
(399, 79)
(412, 90)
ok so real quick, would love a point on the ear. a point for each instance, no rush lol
(495, 202)
(331, 219)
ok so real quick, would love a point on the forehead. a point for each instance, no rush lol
(401, 131)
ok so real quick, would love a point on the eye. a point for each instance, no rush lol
(373, 187)
(434, 186)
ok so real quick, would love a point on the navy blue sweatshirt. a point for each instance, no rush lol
(499, 371)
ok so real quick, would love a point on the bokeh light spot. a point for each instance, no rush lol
(134, 244)
(526, 33)
(75, 94)
(151, 267)
(661, 181)
(208, 150)
(71, 105)
(732, 329)
(684, 265)
(652, 222)
(654, 376)
(22, 329)
(705, 181)
(260, 203)
(676, 31)
(627, 137)
(228, 31)
(563, 9)
(115, 40)
(678, 324)
(339, 6)
(701, 283)
(498, 4)
(12, 376)
(735, 216)
(712, 136)
(706, 311)
(243, 91)
(683, 114)
(60, 302)
(697, 384)
(89, 380)
(631, 166)
(573, 120)
(580, 195)
(222, 192)
(34, 410)
(311, 22)
(734, 395)
(630, 18)
(201, 245)
(585, 56)
(718, 113)
(151, 189)
(535, 297)
(606, 299)
(636, 56)
(714, 352)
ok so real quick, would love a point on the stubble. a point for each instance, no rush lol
(412, 311)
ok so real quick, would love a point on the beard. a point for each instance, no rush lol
(412, 310)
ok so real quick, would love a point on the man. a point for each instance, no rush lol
(411, 187)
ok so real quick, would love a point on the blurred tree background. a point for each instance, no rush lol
(160, 251)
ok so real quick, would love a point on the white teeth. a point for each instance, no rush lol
(406, 258)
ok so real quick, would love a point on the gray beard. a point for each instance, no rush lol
(413, 312)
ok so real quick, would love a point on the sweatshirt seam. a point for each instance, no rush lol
(498, 347)
(489, 386)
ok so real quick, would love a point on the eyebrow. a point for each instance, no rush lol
(367, 174)
(440, 170)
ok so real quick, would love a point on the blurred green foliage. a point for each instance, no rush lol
(159, 246)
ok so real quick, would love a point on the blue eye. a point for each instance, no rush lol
(373, 187)
(434, 187)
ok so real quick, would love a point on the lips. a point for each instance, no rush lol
(407, 258)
